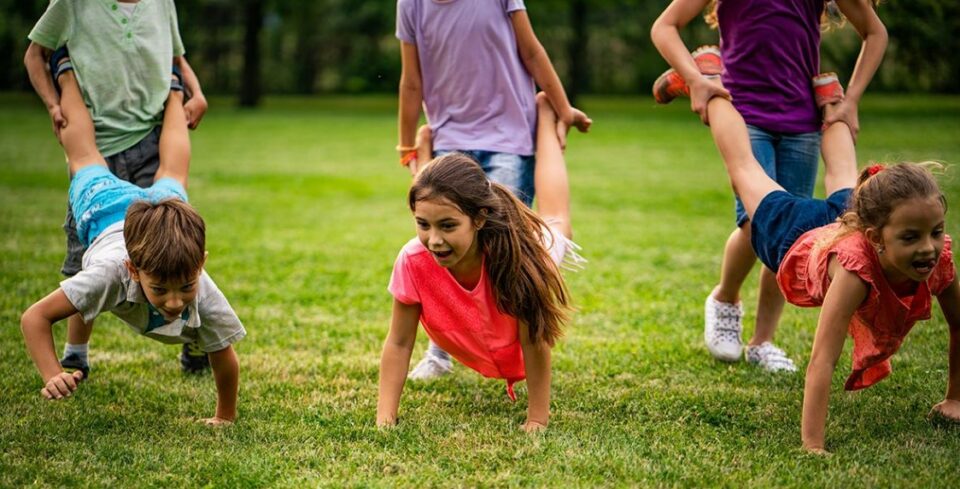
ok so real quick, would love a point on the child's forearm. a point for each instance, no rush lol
(36, 64)
(393, 373)
(190, 81)
(38, 337)
(874, 34)
(537, 361)
(953, 382)
(226, 374)
(816, 396)
(410, 96)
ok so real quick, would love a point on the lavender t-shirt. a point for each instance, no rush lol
(771, 51)
(476, 92)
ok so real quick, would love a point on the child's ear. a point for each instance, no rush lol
(480, 220)
(134, 274)
(874, 236)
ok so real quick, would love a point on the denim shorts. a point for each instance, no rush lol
(510, 170)
(781, 218)
(789, 159)
(99, 199)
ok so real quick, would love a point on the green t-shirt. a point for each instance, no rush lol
(122, 64)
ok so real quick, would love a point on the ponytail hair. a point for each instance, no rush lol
(880, 189)
(526, 282)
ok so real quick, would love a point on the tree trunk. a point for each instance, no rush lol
(577, 51)
(250, 79)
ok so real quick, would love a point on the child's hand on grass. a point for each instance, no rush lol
(216, 421)
(386, 422)
(817, 451)
(948, 409)
(61, 385)
(534, 427)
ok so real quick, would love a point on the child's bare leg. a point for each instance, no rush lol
(78, 137)
(732, 139)
(839, 157)
(550, 173)
(174, 141)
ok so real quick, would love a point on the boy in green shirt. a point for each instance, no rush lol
(122, 54)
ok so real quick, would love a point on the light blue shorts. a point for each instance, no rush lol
(99, 199)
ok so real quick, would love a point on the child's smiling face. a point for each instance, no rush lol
(911, 240)
(448, 233)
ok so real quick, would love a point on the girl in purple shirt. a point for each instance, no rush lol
(770, 51)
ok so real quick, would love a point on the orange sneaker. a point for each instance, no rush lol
(671, 85)
(827, 89)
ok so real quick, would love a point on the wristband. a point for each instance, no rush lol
(408, 157)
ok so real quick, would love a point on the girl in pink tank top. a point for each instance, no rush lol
(873, 272)
(483, 274)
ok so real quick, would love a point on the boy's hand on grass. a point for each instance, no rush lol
(534, 427)
(948, 409)
(701, 91)
(817, 451)
(386, 422)
(61, 385)
(59, 122)
(194, 109)
(216, 421)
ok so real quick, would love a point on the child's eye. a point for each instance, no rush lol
(158, 291)
(937, 233)
(448, 226)
(423, 225)
(187, 288)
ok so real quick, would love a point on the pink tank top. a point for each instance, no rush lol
(465, 323)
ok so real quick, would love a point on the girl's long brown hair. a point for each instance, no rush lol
(527, 283)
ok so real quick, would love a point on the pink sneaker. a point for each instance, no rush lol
(827, 89)
(671, 85)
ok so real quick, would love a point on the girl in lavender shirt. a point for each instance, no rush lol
(770, 51)
(472, 65)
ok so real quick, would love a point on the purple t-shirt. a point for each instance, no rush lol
(476, 92)
(771, 52)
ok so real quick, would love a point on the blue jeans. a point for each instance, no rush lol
(510, 170)
(790, 159)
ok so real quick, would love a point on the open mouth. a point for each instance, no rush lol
(924, 267)
(441, 254)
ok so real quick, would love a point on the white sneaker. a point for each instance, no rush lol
(771, 358)
(721, 329)
(431, 367)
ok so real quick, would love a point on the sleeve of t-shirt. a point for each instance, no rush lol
(946, 271)
(96, 289)
(402, 285)
(219, 325)
(513, 5)
(406, 21)
(53, 28)
(177, 42)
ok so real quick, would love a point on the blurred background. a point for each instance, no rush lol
(252, 48)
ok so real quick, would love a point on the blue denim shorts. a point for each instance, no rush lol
(789, 159)
(99, 199)
(510, 170)
(781, 218)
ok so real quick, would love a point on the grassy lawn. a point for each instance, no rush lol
(305, 211)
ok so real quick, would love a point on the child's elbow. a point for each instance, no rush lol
(28, 320)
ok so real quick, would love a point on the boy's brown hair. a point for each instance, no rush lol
(166, 240)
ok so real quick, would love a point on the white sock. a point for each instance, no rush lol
(78, 350)
(437, 352)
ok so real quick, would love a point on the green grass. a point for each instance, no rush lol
(305, 209)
